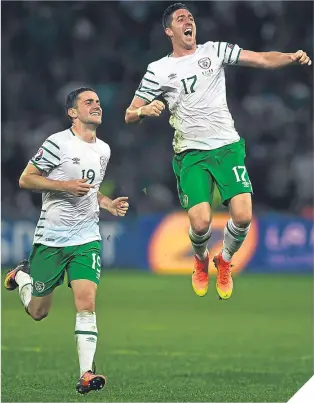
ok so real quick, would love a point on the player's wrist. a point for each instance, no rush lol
(61, 186)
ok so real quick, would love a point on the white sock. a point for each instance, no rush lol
(233, 239)
(86, 339)
(25, 287)
(199, 242)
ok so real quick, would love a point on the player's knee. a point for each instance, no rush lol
(38, 314)
(242, 219)
(201, 226)
(85, 303)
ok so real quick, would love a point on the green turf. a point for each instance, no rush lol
(160, 342)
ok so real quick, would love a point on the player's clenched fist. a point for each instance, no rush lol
(77, 187)
(153, 109)
(301, 57)
(119, 206)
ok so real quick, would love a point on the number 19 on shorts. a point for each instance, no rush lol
(96, 263)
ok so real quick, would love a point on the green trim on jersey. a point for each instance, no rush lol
(72, 131)
(151, 81)
(52, 165)
(48, 151)
(219, 43)
(151, 72)
(54, 144)
(237, 59)
(149, 91)
(227, 43)
(34, 163)
(231, 54)
(141, 96)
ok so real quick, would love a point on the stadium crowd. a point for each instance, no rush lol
(50, 48)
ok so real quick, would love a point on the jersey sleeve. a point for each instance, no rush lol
(150, 86)
(227, 52)
(47, 157)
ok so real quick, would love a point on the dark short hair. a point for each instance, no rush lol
(167, 15)
(72, 98)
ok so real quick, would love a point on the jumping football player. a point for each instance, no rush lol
(208, 149)
(68, 169)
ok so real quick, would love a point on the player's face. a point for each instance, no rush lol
(183, 29)
(88, 108)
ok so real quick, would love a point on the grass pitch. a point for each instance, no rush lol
(160, 342)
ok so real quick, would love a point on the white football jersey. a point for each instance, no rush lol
(194, 88)
(67, 220)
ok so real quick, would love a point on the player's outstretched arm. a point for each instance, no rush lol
(33, 179)
(117, 207)
(139, 109)
(272, 60)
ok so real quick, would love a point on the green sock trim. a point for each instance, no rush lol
(86, 332)
(237, 237)
(204, 238)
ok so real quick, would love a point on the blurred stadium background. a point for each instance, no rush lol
(50, 48)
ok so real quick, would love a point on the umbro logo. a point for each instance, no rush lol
(172, 76)
(76, 161)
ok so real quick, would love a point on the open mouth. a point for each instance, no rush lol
(95, 114)
(188, 32)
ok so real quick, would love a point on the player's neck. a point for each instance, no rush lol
(179, 51)
(85, 133)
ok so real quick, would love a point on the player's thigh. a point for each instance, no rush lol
(46, 269)
(230, 172)
(194, 182)
(84, 272)
(240, 207)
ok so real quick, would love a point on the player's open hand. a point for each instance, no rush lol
(119, 206)
(77, 187)
(301, 58)
(153, 109)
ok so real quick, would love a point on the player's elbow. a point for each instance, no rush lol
(22, 182)
(127, 117)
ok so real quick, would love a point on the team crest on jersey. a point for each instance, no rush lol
(103, 164)
(39, 155)
(205, 63)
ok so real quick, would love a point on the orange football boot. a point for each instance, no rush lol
(224, 283)
(90, 381)
(200, 276)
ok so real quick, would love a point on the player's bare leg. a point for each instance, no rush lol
(200, 232)
(86, 334)
(36, 307)
(235, 233)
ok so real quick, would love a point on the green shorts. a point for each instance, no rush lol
(197, 172)
(49, 264)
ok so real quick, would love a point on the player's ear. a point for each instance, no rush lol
(72, 112)
(169, 32)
